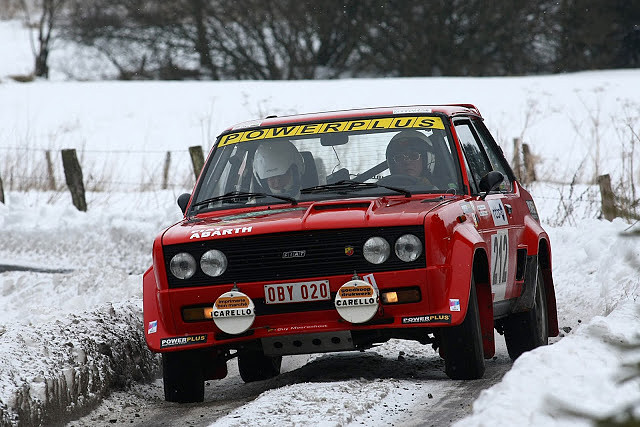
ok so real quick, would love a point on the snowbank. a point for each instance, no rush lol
(58, 370)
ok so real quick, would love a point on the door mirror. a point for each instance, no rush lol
(490, 182)
(183, 201)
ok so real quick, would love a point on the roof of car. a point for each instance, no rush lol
(447, 109)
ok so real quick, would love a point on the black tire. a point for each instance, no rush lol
(462, 344)
(528, 330)
(183, 376)
(255, 366)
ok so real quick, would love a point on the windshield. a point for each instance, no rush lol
(315, 161)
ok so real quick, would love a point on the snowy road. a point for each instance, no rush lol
(399, 383)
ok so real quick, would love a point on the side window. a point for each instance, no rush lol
(475, 157)
(495, 155)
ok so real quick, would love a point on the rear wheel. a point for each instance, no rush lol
(183, 376)
(462, 344)
(255, 366)
(528, 330)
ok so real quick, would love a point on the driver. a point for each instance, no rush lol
(278, 167)
(409, 153)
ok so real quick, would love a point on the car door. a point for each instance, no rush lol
(499, 223)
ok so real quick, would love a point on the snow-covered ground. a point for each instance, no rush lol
(70, 337)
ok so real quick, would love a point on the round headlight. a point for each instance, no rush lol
(183, 265)
(213, 263)
(376, 250)
(408, 247)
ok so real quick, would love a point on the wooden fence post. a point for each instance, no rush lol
(165, 172)
(1, 192)
(517, 165)
(609, 210)
(73, 176)
(197, 159)
(529, 164)
(52, 178)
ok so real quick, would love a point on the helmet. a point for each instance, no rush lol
(277, 158)
(410, 140)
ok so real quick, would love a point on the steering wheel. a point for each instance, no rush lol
(398, 180)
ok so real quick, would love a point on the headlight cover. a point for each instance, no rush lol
(183, 265)
(376, 250)
(408, 247)
(213, 263)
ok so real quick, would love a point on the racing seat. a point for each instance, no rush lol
(310, 176)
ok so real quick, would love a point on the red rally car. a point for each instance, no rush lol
(336, 231)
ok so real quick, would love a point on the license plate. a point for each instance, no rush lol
(297, 292)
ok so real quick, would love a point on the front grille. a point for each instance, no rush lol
(260, 258)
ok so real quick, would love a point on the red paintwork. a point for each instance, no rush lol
(449, 110)
(452, 246)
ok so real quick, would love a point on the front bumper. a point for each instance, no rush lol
(165, 329)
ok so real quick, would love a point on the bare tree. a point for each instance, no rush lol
(49, 12)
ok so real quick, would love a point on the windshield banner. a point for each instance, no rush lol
(421, 122)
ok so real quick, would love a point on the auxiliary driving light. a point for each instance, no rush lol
(183, 265)
(401, 296)
(408, 247)
(376, 250)
(213, 263)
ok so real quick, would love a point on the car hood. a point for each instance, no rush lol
(352, 213)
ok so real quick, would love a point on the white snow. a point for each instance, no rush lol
(69, 338)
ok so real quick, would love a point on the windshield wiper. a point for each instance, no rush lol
(349, 185)
(243, 195)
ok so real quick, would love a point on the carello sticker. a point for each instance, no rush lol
(420, 122)
(180, 341)
(428, 318)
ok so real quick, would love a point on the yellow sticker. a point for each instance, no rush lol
(422, 122)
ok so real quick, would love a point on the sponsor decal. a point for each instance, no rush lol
(153, 327)
(498, 212)
(296, 328)
(294, 254)
(233, 312)
(357, 301)
(454, 305)
(348, 250)
(229, 306)
(482, 210)
(370, 279)
(411, 110)
(239, 301)
(180, 341)
(467, 209)
(332, 127)
(533, 210)
(356, 292)
(218, 231)
(428, 318)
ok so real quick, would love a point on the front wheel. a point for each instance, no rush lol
(528, 330)
(183, 376)
(462, 344)
(255, 366)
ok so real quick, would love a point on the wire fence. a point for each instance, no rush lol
(29, 168)
(106, 170)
